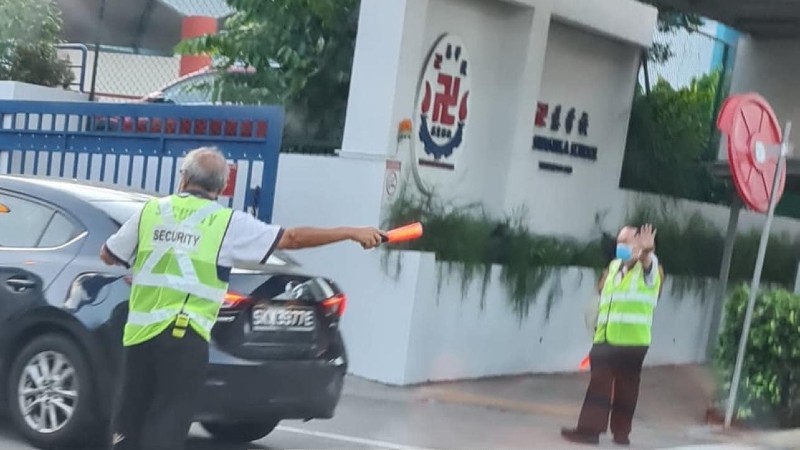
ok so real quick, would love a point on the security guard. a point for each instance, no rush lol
(629, 291)
(182, 248)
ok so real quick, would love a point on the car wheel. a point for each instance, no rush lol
(50, 392)
(239, 432)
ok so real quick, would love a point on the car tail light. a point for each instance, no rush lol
(335, 305)
(234, 300)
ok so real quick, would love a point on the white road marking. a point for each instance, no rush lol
(715, 447)
(353, 439)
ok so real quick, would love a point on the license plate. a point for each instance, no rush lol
(278, 318)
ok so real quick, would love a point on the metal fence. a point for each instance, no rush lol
(122, 75)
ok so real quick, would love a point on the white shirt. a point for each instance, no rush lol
(247, 240)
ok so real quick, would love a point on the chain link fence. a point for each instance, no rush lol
(147, 64)
(122, 76)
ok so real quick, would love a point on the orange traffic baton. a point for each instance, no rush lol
(403, 234)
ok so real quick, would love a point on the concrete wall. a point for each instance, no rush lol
(14, 90)
(592, 42)
(402, 326)
(591, 75)
(454, 336)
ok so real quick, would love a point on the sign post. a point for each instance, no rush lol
(757, 152)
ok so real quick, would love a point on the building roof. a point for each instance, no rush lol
(761, 18)
(153, 25)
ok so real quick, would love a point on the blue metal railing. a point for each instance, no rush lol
(141, 145)
(81, 76)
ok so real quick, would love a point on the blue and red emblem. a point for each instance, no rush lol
(443, 110)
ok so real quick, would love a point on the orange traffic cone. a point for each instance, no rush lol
(586, 364)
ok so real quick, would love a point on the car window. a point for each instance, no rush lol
(24, 223)
(59, 231)
(191, 91)
(119, 211)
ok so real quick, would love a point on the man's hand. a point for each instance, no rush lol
(646, 243)
(646, 239)
(368, 237)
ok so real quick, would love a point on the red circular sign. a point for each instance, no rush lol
(751, 128)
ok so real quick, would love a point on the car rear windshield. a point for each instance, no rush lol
(119, 211)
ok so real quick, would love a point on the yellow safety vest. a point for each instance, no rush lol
(626, 309)
(175, 273)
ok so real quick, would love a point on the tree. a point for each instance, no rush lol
(669, 141)
(300, 53)
(29, 32)
(671, 20)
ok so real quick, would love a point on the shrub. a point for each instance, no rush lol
(769, 390)
(28, 36)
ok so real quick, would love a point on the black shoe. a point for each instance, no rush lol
(622, 440)
(580, 436)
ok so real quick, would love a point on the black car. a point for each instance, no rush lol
(276, 351)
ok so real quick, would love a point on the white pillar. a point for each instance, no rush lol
(520, 165)
(385, 67)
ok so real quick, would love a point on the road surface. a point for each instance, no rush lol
(387, 418)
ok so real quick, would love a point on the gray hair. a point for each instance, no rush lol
(205, 167)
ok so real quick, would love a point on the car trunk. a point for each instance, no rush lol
(273, 313)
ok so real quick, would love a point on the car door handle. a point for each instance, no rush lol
(20, 284)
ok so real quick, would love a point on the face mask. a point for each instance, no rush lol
(624, 252)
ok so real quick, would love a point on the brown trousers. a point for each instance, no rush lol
(613, 389)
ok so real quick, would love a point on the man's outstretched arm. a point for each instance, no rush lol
(306, 237)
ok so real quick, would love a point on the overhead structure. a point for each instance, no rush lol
(757, 152)
(774, 19)
(146, 25)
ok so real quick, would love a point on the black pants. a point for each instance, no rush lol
(616, 370)
(162, 379)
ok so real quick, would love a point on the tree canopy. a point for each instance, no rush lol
(300, 53)
(671, 20)
(29, 32)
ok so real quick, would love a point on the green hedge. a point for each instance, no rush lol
(769, 391)
(687, 245)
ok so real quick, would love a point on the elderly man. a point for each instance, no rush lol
(182, 248)
(629, 289)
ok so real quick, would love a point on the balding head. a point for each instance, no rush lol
(205, 168)
(627, 235)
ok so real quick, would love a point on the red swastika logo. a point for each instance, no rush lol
(446, 99)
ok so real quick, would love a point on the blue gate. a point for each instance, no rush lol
(141, 145)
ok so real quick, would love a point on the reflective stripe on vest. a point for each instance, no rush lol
(188, 247)
(625, 315)
(188, 281)
(149, 318)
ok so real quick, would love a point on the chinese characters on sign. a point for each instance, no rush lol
(444, 93)
(547, 119)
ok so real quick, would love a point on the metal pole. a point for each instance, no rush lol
(797, 280)
(762, 250)
(645, 58)
(97, 49)
(724, 275)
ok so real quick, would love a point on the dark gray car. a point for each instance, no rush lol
(276, 351)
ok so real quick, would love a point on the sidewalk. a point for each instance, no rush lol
(670, 414)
